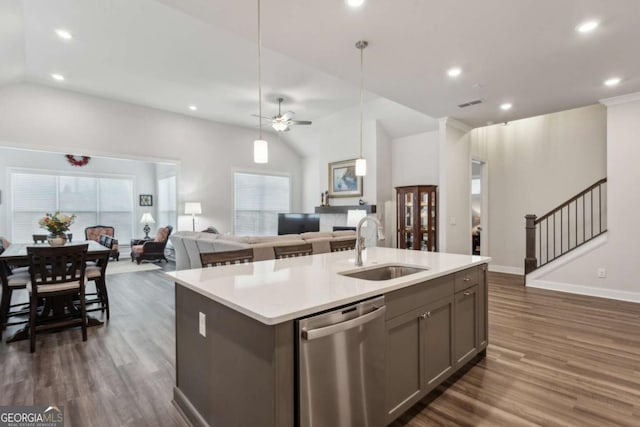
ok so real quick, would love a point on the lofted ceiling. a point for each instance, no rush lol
(170, 54)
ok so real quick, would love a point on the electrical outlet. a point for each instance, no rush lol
(602, 273)
(202, 324)
(452, 220)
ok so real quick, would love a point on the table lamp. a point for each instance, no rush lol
(193, 208)
(146, 220)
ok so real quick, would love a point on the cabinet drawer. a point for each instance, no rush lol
(466, 278)
(404, 300)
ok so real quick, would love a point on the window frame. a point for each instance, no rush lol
(57, 173)
(234, 171)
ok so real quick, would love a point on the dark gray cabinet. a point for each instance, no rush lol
(433, 329)
(465, 336)
(438, 342)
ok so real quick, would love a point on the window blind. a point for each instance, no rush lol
(258, 198)
(167, 214)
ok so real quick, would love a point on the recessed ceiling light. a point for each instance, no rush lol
(454, 72)
(355, 3)
(587, 26)
(58, 77)
(612, 81)
(506, 106)
(193, 108)
(64, 34)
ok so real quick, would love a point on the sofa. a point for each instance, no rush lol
(188, 244)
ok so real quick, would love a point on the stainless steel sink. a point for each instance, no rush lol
(384, 272)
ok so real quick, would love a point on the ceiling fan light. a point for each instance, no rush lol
(279, 126)
(361, 167)
(260, 151)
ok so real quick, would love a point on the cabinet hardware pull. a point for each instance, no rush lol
(425, 315)
(466, 279)
(466, 294)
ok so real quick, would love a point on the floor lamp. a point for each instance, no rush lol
(193, 208)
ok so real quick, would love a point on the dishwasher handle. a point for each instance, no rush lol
(339, 327)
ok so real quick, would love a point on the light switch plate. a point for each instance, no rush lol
(202, 324)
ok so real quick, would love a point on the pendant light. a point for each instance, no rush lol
(260, 147)
(361, 162)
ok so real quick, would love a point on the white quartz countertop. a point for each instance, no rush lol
(276, 291)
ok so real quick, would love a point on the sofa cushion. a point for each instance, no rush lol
(94, 233)
(320, 245)
(162, 234)
(315, 234)
(263, 251)
(137, 249)
(232, 238)
(344, 233)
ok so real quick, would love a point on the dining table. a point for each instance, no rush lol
(16, 256)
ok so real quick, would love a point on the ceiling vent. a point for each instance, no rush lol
(470, 103)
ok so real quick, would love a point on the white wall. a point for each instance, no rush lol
(534, 165)
(415, 160)
(455, 218)
(37, 117)
(619, 255)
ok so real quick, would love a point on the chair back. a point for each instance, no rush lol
(94, 232)
(163, 234)
(292, 251)
(55, 265)
(342, 245)
(215, 259)
(39, 238)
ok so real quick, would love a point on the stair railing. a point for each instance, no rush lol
(567, 227)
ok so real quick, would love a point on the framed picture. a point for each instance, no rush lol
(343, 181)
(146, 200)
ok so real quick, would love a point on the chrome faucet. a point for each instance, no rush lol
(360, 239)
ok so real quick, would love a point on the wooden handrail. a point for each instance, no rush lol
(574, 198)
(543, 230)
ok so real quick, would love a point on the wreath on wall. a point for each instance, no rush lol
(77, 160)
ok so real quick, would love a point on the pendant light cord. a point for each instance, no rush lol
(259, 75)
(361, 90)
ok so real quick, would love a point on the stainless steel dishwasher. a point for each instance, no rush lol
(341, 367)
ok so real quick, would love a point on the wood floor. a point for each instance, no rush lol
(553, 359)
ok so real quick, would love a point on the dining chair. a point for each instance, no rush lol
(11, 281)
(39, 238)
(56, 273)
(342, 245)
(215, 259)
(291, 251)
(97, 273)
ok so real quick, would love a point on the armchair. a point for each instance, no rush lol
(104, 235)
(151, 249)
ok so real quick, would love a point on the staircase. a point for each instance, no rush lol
(572, 224)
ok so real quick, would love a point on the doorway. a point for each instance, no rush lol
(479, 209)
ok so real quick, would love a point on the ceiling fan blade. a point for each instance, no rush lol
(299, 122)
(288, 115)
(262, 117)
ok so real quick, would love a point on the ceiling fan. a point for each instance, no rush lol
(281, 122)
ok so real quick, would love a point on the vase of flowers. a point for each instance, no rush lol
(57, 224)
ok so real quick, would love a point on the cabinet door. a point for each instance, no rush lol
(483, 301)
(438, 342)
(404, 366)
(465, 311)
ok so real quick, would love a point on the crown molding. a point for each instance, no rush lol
(455, 123)
(622, 99)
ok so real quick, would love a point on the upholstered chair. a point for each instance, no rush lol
(151, 249)
(99, 233)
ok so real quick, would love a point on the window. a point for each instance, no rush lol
(167, 214)
(95, 201)
(475, 186)
(258, 200)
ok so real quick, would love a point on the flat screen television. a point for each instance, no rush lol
(295, 223)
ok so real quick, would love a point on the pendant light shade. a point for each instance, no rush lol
(260, 146)
(361, 167)
(260, 151)
(361, 162)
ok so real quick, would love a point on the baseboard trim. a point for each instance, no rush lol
(188, 412)
(506, 269)
(584, 290)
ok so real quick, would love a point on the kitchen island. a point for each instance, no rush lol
(236, 339)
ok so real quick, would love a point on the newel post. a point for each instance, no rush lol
(530, 261)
